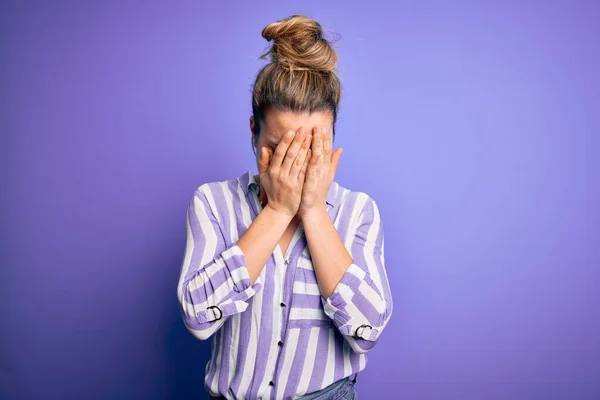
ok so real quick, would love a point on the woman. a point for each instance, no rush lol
(286, 267)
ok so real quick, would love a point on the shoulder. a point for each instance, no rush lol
(223, 188)
(353, 202)
(220, 195)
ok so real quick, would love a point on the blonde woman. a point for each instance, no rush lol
(284, 269)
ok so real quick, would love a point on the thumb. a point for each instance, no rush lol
(263, 161)
(335, 160)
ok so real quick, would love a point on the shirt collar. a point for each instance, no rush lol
(249, 183)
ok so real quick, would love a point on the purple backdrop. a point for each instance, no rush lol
(474, 125)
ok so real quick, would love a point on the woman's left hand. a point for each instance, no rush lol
(320, 172)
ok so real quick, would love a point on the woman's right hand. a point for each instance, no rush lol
(282, 173)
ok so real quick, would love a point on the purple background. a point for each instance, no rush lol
(474, 125)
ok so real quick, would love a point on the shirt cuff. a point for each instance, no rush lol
(344, 290)
(235, 263)
(335, 306)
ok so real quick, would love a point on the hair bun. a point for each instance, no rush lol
(298, 44)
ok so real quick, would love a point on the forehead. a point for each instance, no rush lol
(277, 123)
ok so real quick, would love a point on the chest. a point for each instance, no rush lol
(289, 278)
(287, 236)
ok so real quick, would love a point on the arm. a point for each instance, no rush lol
(261, 238)
(217, 279)
(355, 292)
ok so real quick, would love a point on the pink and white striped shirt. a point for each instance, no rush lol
(280, 338)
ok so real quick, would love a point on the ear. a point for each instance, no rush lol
(252, 139)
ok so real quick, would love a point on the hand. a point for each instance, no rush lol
(282, 173)
(320, 172)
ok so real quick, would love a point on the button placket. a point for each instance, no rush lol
(282, 304)
(288, 265)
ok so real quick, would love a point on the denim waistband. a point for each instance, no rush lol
(340, 386)
(335, 387)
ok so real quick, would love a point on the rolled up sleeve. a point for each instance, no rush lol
(361, 303)
(214, 282)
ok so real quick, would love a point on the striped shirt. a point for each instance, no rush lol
(280, 338)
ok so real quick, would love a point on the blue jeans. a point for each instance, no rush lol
(339, 390)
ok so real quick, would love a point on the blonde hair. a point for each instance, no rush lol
(301, 76)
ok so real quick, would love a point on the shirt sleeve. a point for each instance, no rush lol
(214, 282)
(361, 303)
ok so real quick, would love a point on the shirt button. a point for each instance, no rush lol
(272, 383)
(286, 262)
(282, 304)
(280, 343)
(362, 329)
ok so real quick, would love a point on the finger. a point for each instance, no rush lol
(263, 161)
(327, 145)
(335, 161)
(301, 158)
(282, 148)
(317, 145)
(302, 172)
(293, 151)
(269, 156)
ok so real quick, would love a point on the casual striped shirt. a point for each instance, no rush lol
(280, 338)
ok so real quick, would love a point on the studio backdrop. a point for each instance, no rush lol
(474, 125)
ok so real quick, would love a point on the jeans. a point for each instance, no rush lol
(339, 390)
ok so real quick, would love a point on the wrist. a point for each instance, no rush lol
(314, 215)
(277, 214)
